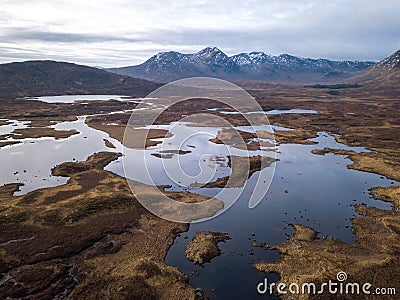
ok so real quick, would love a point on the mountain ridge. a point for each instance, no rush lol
(212, 62)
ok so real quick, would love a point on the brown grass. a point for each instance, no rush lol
(89, 239)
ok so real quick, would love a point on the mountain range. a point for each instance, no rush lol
(37, 78)
(212, 62)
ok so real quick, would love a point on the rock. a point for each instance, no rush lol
(199, 292)
(257, 244)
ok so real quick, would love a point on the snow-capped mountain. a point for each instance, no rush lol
(250, 59)
(212, 62)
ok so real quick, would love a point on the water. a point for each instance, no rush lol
(262, 128)
(31, 161)
(75, 98)
(25, 162)
(269, 112)
(312, 190)
(12, 125)
(291, 111)
(148, 169)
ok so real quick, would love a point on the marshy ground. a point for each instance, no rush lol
(90, 238)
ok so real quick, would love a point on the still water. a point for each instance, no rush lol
(315, 191)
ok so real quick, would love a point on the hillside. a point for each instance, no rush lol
(212, 62)
(385, 73)
(35, 78)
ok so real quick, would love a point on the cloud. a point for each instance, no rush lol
(23, 35)
(124, 32)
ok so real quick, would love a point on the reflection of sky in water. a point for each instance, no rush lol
(31, 161)
(197, 167)
(12, 125)
(269, 112)
(312, 190)
(74, 98)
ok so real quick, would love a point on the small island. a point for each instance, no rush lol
(204, 246)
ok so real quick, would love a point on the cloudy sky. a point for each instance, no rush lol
(127, 32)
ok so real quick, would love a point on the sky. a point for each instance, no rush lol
(127, 32)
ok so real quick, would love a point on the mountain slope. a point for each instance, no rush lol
(35, 78)
(386, 72)
(212, 62)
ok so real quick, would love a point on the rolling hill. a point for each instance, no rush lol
(36, 78)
